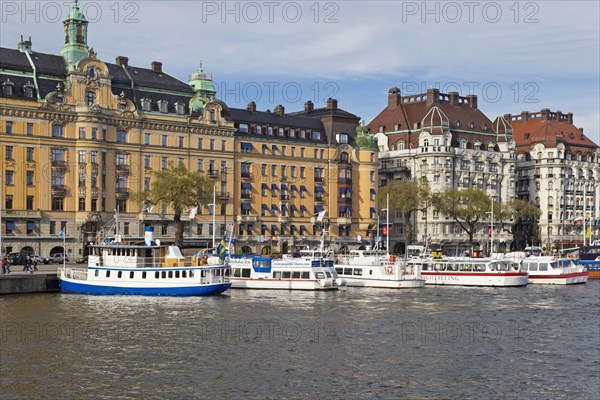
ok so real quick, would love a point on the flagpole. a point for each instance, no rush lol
(64, 248)
(214, 221)
(387, 222)
(583, 214)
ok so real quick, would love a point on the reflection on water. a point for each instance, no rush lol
(437, 342)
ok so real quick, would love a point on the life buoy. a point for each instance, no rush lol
(571, 255)
(390, 269)
(392, 258)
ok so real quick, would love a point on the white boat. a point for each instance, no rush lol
(377, 269)
(553, 270)
(145, 269)
(467, 271)
(309, 271)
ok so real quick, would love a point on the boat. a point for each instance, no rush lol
(309, 269)
(589, 258)
(553, 270)
(151, 268)
(469, 271)
(372, 268)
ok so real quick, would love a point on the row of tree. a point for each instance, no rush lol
(467, 207)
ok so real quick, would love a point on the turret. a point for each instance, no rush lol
(202, 84)
(75, 47)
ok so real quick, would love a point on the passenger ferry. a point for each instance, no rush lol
(308, 271)
(467, 271)
(589, 257)
(376, 269)
(553, 270)
(146, 269)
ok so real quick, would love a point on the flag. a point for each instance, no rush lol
(62, 232)
(321, 215)
(222, 249)
(149, 209)
(588, 232)
(577, 221)
(193, 212)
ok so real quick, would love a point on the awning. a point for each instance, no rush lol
(30, 225)
(302, 228)
(265, 186)
(275, 147)
(349, 190)
(293, 228)
(303, 188)
(265, 207)
(319, 189)
(293, 188)
(293, 208)
(265, 146)
(373, 191)
(349, 209)
(284, 208)
(274, 207)
(373, 211)
(10, 225)
(284, 186)
(274, 227)
(318, 208)
(274, 187)
(342, 208)
(247, 146)
(246, 206)
(303, 208)
(246, 186)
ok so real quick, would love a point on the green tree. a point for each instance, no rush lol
(179, 189)
(520, 219)
(467, 207)
(406, 197)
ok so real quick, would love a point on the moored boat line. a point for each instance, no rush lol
(553, 270)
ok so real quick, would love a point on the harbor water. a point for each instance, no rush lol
(534, 342)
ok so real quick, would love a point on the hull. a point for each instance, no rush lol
(385, 283)
(592, 267)
(561, 279)
(499, 279)
(87, 287)
(280, 284)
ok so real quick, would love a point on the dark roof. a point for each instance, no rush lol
(272, 119)
(48, 64)
(320, 112)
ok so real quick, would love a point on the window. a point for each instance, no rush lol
(147, 183)
(243, 128)
(273, 170)
(163, 162)
(122, 136)
(302, 134)
(180, 141)
(9, 126)
(8, 203)
(29, 203)
(94, 157)
(122, 205)
(10, 226)
(9, 177)
(164, 140)
(82, 204)
(94, 133)
(212, 144)
(223, 145)
(180, 160)
(147, 162)
(146, 138)
(342, 138)
(316, 135)
(29, 178)
(90, 98)
(29, 129)
(57, 203)
(372, 176)
(57, 130)
(258, 130)
(94, 205)
(264, 170)
(163, 106)
(462, 143)
(200, 165)
(281, 132)
(81, 133)
(199, 143)
(9, 152)
(146, 104)
(180, 108)
(302, 172)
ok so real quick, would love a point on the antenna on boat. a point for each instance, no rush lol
(117, 230)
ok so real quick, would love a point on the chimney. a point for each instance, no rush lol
(433, 96)
(251, 107)
(570, 118)
(507, 117)
(331, 104)
(545, 113)
(156, 66)
(393, 98)
(559, 115)
(308, 107)
(279, 110)
(453, 98)
(24, 46)
(472, 99)
(122, 61)
(524, 115)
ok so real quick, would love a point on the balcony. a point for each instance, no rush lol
(284, 197)
(246, 196)
(247, 218)
(347, 181)
(213, 173)
(23, 214)
(59, 190)
(283, 219)
(344, 200)
(318, 199)
(246, 175)
(319, 179)
(344, 221)
(390, 169)
(224, 195)
(59, 165)
(122, 193)
(122, 169)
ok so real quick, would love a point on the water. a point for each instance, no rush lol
(536, 342)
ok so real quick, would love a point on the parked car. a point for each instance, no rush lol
(16, 258)
(82, 260)
(58, 258)
(39, 259)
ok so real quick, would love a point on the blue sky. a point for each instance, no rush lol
(514, 56)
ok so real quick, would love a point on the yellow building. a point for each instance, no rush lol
(79, 135)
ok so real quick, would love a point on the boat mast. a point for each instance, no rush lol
(492, 229)
(584, 211)
(214, 223)
(387, 222)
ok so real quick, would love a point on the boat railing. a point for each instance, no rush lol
(73, 273)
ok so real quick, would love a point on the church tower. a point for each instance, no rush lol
(75, 47)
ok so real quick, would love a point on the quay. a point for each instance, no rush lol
(18, 281)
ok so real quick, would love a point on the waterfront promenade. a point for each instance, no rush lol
(19, 281)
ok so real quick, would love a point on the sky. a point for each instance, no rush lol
(514, 55)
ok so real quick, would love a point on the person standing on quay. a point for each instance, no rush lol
(4, 265)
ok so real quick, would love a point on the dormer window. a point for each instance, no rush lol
(281, 132)
(28, 90)
(163, 106)
(462, 143)
(471, 125)
(91, 73)
(477, 145)
(400, 145)
(7, 88)
(316, 135)
(211, 114)
(426, 143)
(292, 133)
(302, 134)
(258, 129)
(90, 98)
(344, 157)
(146, 104)
(243, 128)
(458, 124)
(342, 138)
(491, 146)
(180, 108)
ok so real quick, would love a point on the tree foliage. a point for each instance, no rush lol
(520, 218)
(180, 190)
(406, 197)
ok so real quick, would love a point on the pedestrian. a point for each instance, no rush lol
(35, 263)
(4, 262)
(26, 264)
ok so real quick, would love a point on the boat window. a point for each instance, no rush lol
(328, 274)
(286, 275)
(170, 274)
(319, 275)
(544, 267)
(131, 275)
(119, 274)
(339, 271)
(203, 273)
(144, 275)
(191, 274)
(156, 275)
(358, 271)
(176, 274)
(533, 267)
(108, 274)
(236, 272)
(184, 274)
(426, 267)
(163, 274)
(96, 273)
(525, 267)
(277, 275)
(370, 272)
(227, 271)
(246, 273)
(306, 275)
(296, 275)
(347, 271)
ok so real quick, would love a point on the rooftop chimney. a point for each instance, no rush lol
(559, 115)
(472, 99)
(331, 104)
(24, 46)
(433, 96)
(308, 107)
(393, 98)
(545, 113)
(122, 61)
(570, 118)
(524, 115)
(279, 110)
(251, 107)
(453, 98)
(156, 66)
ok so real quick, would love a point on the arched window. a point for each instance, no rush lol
(426, 142)
(462, 143)
(344, 157)
(90, 98)
(400, 145)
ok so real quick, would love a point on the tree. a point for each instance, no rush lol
(407, 197)
(524, 226)
(179, 189)
(467, 207)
